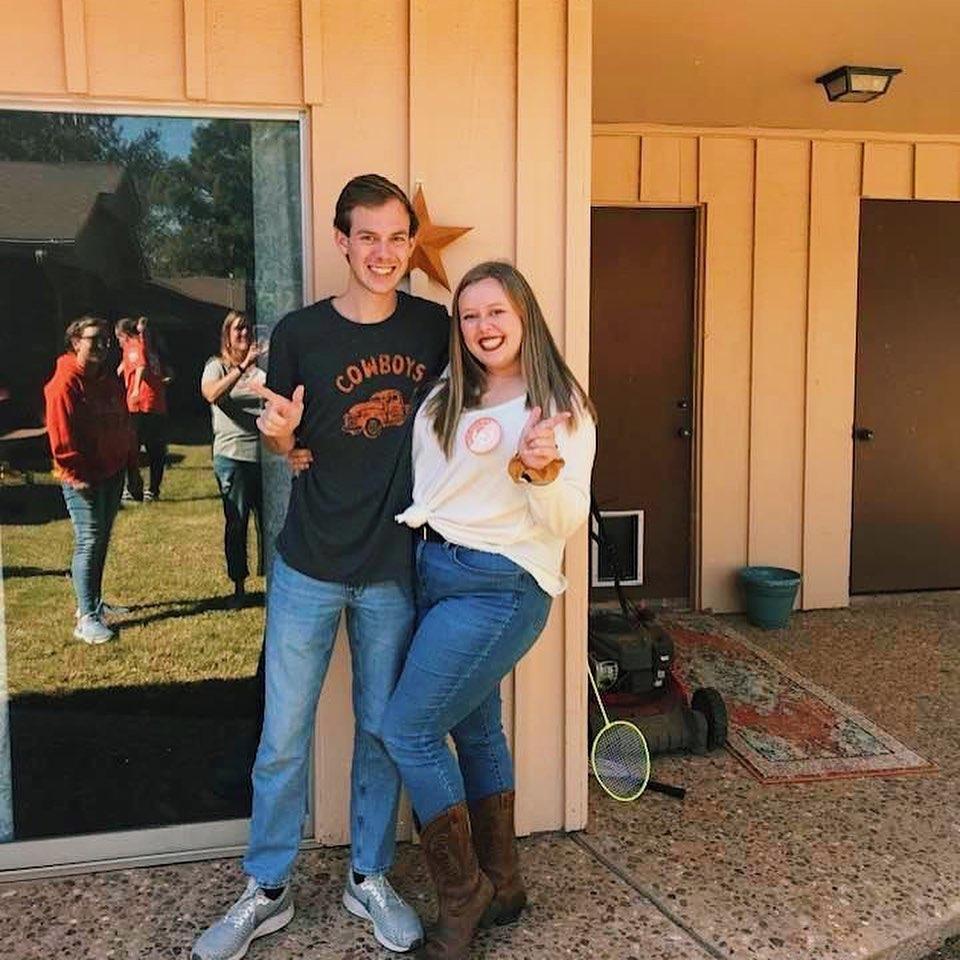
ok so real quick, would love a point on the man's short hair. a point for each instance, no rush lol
(370, 190)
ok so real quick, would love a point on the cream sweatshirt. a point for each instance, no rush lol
(471, 500)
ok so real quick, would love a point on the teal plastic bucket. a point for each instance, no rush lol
(769, 593)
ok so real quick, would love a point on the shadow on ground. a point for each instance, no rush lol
(122, 758)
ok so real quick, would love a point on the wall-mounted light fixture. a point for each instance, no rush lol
(857, 84)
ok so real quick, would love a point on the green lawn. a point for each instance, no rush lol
(165, 561)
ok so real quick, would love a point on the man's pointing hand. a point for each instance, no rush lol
(280, 417)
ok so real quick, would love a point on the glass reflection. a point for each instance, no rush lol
(161, 228)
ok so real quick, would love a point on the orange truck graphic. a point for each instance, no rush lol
(385, 408)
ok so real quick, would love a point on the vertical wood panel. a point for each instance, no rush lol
(32, 46)
(616, 169)
(831, 362)
(937, 171)
(577, 353)
(727, 188)
(541, 89)
(660, 170)
(778, 353)
(195, 48)
(311, 32)
(689, 173)
(136, 51)
(333, 749)
(75, 45)
(888, 170)
(463, 127)
(255, 54)
(366, 49)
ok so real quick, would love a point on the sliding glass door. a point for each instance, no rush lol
(115, 749)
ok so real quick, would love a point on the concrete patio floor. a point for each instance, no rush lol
(863, 868)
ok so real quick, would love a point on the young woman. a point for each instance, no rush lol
(502, 454)
(92, 442)
(226, 385)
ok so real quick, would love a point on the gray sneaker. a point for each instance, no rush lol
(106, 610)
(395, 923)
(253, 915)
(90, 629)
(113, 610)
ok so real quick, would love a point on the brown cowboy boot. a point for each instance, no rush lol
(495, 841)
(463, 891)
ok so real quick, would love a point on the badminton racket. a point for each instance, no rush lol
(620, 759)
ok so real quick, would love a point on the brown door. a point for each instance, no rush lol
(643, 271)
(906, 476)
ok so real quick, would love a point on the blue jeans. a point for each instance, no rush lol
(92, 512)
(478, 614)
(241, 491)
(302, 618)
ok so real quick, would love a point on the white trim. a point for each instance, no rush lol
(629, 578)
(82, 867)
(75, 853)
(158, 109)
(306, 205)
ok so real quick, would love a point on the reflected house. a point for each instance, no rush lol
(67, 239)
(70, 244)
(186, 313)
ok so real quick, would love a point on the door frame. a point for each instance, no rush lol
(90, 853)
(696, 454)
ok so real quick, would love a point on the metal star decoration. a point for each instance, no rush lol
(431, 239)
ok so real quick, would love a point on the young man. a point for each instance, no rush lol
(341, 376)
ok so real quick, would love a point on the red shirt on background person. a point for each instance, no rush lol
(142, 375)
(92, 442)
(91, 435)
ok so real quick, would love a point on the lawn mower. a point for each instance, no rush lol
(632, 660)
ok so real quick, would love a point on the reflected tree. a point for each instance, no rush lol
(201, 207)
(196, 213)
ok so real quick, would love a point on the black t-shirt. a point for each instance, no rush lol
(359, 380)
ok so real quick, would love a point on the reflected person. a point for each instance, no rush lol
(227, 385)
(92, 443)
(145, 383)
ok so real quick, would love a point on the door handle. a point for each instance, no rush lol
(685, 433)
(862, 433)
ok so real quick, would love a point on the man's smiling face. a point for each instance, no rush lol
(379, 246)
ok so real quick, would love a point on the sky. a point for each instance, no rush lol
(176, 133)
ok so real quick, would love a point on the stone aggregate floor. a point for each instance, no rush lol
(842, 870)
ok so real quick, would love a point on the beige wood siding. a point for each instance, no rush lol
(781, 211)
(488, 106)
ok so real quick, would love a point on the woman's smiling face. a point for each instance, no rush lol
(239, 337)
(491, 327)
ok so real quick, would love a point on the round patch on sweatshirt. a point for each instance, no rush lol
(483, 435)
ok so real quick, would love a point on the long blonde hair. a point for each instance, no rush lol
(550, 383)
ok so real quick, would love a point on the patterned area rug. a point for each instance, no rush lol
(783, 727)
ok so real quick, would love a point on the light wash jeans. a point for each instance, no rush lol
(302, 618)
(478, 614)
(241, 492)
(92, 512)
